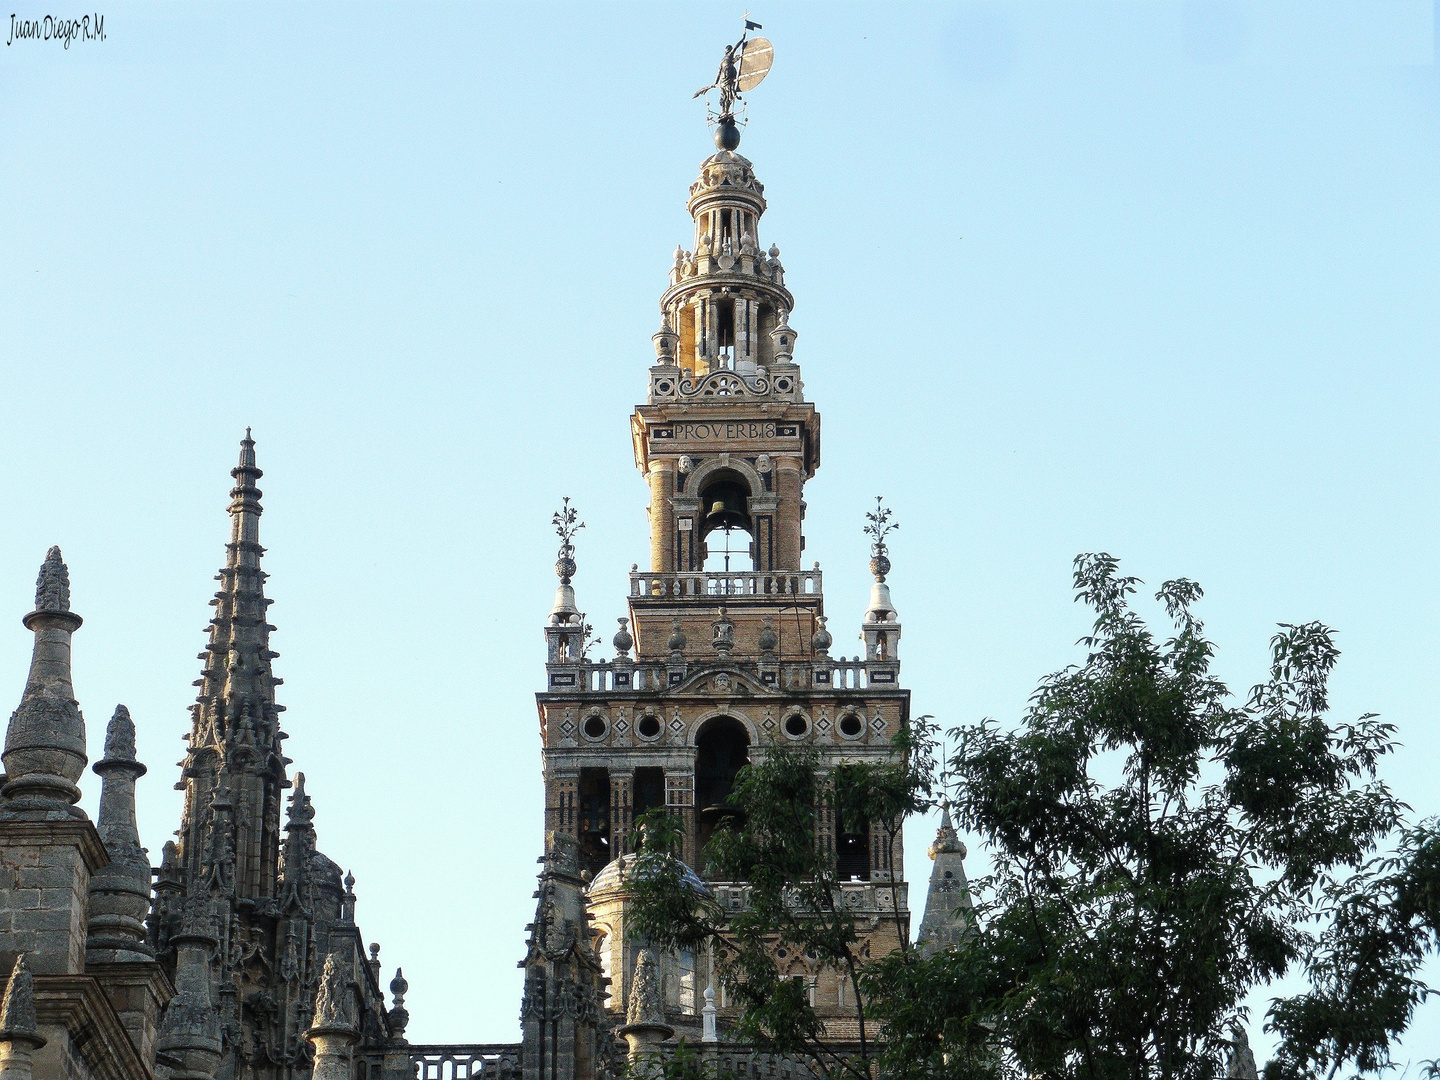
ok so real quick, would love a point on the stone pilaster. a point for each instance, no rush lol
(622, 811)
(662, 515)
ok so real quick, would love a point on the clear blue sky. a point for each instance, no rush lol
(1152, 278)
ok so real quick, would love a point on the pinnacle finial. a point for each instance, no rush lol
(332, 1001)
(398, 1015)
(677, 642)
(247, 451)
(946, 840)
(822, 639)
(878, 526)
(17, 1009)
(645, 1005)
(52, 587)
(44, 753)
(301, 812)
(119, 897)
(120, 736)
(567, 524)
(399, 987)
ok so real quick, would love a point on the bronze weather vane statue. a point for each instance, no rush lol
(743, 66)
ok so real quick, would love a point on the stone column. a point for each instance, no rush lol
(662, 516)
(789, 486)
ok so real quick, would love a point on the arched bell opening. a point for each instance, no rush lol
(722, 749)
(593, 827)
(852, 848)
(726, 529)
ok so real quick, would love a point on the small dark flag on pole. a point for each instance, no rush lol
(753, 25)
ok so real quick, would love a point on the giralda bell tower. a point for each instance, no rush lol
(725, 649)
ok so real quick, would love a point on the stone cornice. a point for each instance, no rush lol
(58, 832)
(146, 974)
(78, 1004)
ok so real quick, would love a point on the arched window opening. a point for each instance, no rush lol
(722, 750)
(725, 528)
(594, 824)
(685, 984)
(602, 950)
(649, 789)
(725, 335)
(852, 849)
(764, 323)
(852, 857)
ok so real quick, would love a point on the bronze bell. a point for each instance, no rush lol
(727, 510)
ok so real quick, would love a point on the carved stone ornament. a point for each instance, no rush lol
(52, 588)
(17, 1010)
(723, 384)
(332, 1000)
(645, 1005)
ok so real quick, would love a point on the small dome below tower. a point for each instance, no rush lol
(631, 867)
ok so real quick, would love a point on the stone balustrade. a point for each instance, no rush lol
(727, 583)
(476, 1061)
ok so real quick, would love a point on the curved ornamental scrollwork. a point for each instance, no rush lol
(725, 384)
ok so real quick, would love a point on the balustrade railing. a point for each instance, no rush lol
(728, 583)
(482, 1061)
(603, 676)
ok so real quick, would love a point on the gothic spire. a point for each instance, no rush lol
(239, 653)
(235, 739)
(120, 892)
(45, 742)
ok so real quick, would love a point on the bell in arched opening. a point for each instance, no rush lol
(725, 507)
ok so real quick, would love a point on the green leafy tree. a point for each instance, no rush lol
(769, 840)
(1159, 851)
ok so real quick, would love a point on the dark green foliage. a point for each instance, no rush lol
(769, 841)
(1159, 851)
(1128, 917)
